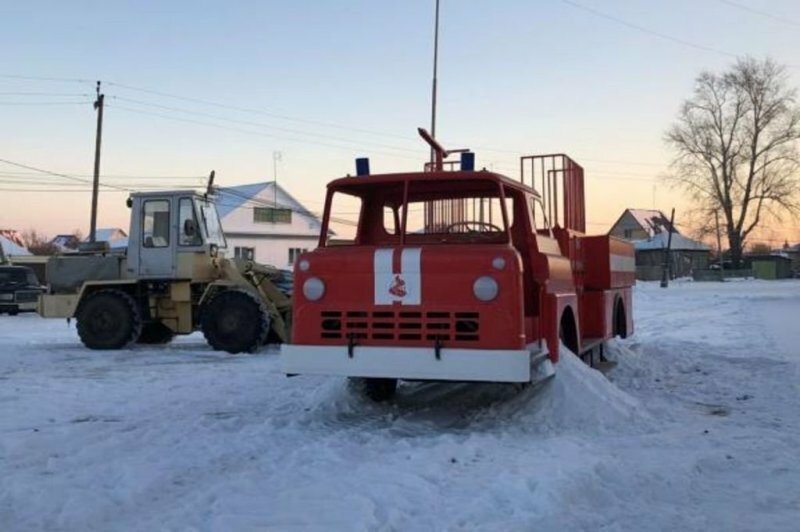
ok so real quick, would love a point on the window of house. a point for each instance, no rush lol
(241, 252)
(155, 224)
(272, 215)
(294, 253)
(628, 233)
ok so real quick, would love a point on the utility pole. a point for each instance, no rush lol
(665, 270)
(276, 156)
(98, 105)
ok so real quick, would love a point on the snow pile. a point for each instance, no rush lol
(580, 400)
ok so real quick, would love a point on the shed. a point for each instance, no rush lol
(774, 266)
(686, 256)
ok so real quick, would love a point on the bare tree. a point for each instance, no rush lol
(736, 149)
(760, 248)
(38, 243)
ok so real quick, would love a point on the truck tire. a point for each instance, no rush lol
(235, 321)
(379, 390)
(155, 332)
(108, 319)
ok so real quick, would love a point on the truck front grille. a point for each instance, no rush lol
(400, 326)
(27, 297)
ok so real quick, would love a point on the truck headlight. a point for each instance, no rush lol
(6, 297)
(313, 288)
(485, 288)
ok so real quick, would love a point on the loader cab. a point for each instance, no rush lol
(171, 233)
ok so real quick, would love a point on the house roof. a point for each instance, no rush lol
(108, 234)
(231, 198)
(11, 248)
(12, 235)
(652, 221)
(679, 243)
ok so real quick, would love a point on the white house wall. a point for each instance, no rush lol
(271, 241)
(240, 219)
(271, 251)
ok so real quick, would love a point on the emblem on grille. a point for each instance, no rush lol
(398, 287)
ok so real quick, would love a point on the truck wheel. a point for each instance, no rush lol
(108, 319)
(235, 321)
(155, 332)
(379, 390)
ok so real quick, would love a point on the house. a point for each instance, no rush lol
(639, 224)
(117, 238)
(263, 222)
(65, 243)
(13, 236)
(686, 256)
(12, 247)
(649, 231)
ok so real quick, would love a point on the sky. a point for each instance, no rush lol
(202, 85)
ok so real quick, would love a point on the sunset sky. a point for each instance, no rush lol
(201, 85)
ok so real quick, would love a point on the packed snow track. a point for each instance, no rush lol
(697, 428)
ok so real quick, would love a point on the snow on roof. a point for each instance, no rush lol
(108, 234)
(10, 248)
(230, 198)
(679, 243)
(652, 221)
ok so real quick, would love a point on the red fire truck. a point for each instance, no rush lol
(458, 275)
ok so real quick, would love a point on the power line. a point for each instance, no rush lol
(275, 115)
(45, 103)
(37, 93)
(259, 124)
(649, 31)
(250, 132)
(257, 111)
(112, 176)
(57, 174)
(45, 78)
(761, 13)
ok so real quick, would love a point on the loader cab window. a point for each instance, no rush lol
(155, 224)
(210, 221)
(187, 224)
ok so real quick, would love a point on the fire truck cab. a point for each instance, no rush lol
(458, 276)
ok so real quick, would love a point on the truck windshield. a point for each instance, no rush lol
(208, 214)
(434, 211)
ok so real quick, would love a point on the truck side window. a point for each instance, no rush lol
(189, 230)
(155, 224)
(538, 216)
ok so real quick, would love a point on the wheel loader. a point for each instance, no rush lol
(173, 278)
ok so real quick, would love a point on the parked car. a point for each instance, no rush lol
(19, 290)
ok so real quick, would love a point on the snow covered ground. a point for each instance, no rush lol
(697, 429)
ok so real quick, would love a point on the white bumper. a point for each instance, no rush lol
(413, 363)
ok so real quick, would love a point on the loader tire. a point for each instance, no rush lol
(155, 332)
(235, 321)
(108, 319)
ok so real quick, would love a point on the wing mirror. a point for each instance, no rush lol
(189, 227)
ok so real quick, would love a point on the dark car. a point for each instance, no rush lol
(19, 290)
